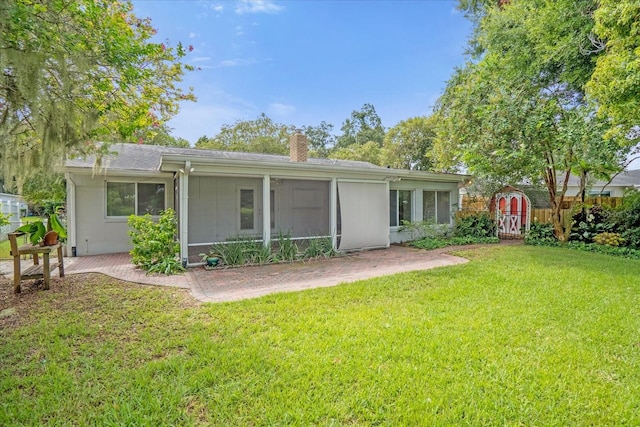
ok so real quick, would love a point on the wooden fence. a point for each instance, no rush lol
(543, 215)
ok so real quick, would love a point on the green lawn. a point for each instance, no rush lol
(518, 336)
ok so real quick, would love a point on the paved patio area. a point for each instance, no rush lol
(230, 284)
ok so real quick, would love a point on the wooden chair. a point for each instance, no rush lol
(36, 271)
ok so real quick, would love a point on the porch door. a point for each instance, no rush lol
(512, 214)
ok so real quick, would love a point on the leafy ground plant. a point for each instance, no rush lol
(518, 336)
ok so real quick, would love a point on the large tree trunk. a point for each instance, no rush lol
(557, 200)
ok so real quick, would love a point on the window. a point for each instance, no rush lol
(131, 198)
(272, 210)
(436, 206)
(596, 193)
(246, 209)
(400, 207)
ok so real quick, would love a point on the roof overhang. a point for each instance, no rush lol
(234, 167)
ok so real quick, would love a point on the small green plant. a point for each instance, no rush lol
(4, 220)
(286, 249)
(36, 229)
(608, 239)
(155, 247)
(317, 248)
(232, 252)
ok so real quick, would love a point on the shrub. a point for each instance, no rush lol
(589, 222)
(608, 239)
(286, 249)
(540, 234)
(155, 247)
(626, 220)
(427, 229)
(476, 225)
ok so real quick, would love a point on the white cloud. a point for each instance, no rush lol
(192, 35)
(218, 7)
(278, 109)
(201, 59)
(239, 31)
(236, 62)
(257, 6)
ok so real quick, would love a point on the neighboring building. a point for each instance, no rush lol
(14, 207)
(220, 196)
(623, 181)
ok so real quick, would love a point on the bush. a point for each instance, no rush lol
(588, 222)
(608, 239)
(540, 234)
(477, 225)
(436, 243)
(626, 220)
(425, 229)
(155, 247)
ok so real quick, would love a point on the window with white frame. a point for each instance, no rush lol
(436, 206)
(400, 207)
(134, 198)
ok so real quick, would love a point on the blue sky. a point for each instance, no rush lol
(304, 61)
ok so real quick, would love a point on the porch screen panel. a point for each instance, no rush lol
(364, 215)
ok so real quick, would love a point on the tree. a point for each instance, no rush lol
(77, 71)
(320, 138)
(261, 135)
(162, 136)
(615, 82)
(367, 152)
(363, 126)
(517, 112)
(44, 192)
(408, 144)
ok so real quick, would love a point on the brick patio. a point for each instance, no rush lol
(230, 284)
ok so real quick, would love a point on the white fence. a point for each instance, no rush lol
(13, 207)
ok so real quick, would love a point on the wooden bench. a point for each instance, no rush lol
(36, 271)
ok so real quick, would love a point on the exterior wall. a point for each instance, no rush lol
(94, 232)
(417, 187)
(616, 191)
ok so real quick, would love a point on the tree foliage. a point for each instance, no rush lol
(320, 138)
(367, 152)
(408, 144)
(261, 135)
(517, 111)
(77, 71)
(362, 126)
(615, 83)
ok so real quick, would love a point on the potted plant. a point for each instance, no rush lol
(45, 235)
(210, 260)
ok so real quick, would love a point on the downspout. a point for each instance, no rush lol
(71, 215)
(184, 212)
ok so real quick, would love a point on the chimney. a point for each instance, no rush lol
(298, 148)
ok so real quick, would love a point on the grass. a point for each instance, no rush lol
(518, 336)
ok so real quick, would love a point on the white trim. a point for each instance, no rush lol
(183, 220)
(333, 213)
(266, 209)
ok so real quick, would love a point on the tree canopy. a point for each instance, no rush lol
(79, 71)
(408, 145)
(517, 111)
(615, 82)
(362, 126)
(261, 135)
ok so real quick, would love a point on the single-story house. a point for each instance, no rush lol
(628, 179)
(221, 196)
